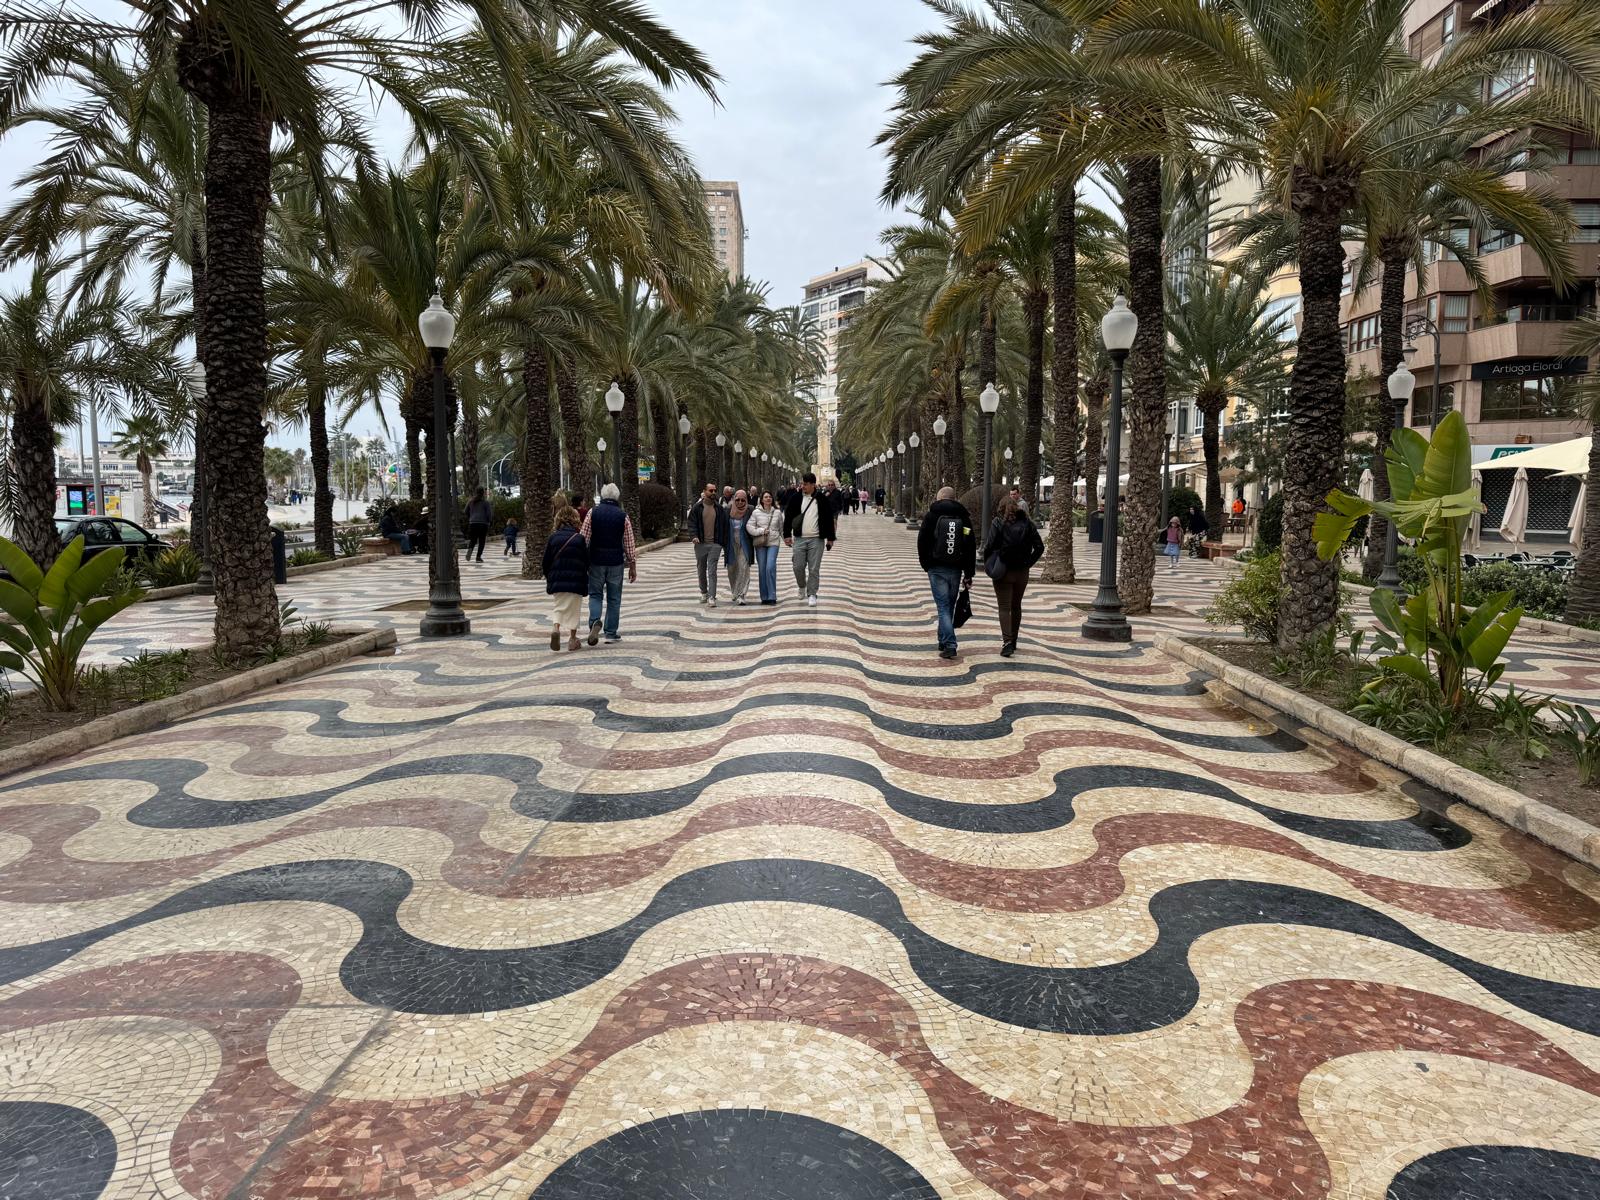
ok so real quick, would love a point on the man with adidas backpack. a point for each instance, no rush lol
(948, 552)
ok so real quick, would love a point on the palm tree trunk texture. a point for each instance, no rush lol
(555, 459)
(1391, 341)
(928, 481)
(988, 358)
(417, 484)
(1211, 405)
(470, 434)
(661, 439)
(571, 406)
(1094, 436)
(702, 464)
(1147, 373)
(955, 461)
(1058, 566)
(197, 498)
(238, 178)
(537, 483)
(1035, 307)
(1583, 593)
(1316, 413)
(147, 486)
(628, 437)
(33, 467)
(321, 488)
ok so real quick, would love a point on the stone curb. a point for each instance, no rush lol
(145, 717)
(657, 544)
(1539, 624)
(1565, 833)
(187, 589)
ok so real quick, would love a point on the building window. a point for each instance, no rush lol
(1457, 313)
(1362, 334)
(1587, 215)
(1499, 239)
(1528, 399)
(1423, 411)
(1348, 283)
(1512, 80)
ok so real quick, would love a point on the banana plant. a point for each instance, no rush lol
(46, 617)
(1432, 637)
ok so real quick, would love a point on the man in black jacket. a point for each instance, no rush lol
(708, 521)
(948, 552)
(808, 527)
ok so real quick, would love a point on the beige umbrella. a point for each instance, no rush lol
(1364, 488)
(1515, 522)
(1477, 517)
(1575, 522)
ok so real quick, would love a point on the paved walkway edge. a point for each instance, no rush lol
(355, 560)
(144, 717)
(1565, 833)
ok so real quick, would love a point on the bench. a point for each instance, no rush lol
(379, 545)
(1218, 550)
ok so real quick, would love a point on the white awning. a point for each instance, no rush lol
(1568, 458)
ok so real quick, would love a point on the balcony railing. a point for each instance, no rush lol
(1529, 312)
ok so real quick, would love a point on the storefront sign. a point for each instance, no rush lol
(1529, 368)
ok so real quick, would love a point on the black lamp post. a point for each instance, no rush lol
(900, 486)
(614, 402)
(1401, 384)
(989, 402)
(445, 616)
(915, 442)
(600, 459)
(722, 461)
(683, 467)
(1106, 622)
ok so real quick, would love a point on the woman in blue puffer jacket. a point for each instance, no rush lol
(566, 575)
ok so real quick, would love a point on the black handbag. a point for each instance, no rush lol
(963, 612)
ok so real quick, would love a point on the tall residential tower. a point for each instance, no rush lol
(830, 301)
(727, 224)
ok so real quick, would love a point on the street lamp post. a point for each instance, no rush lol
(683, 467)
(915, 442)
(445, 616)
(939, 426)
(1006, 474)
(1038, 483)
(614, 402)
(1422, 324)
(989, 402)
(599, 445)
(900, 487)
(1401, 384)
(1106, 622)
(722, 464)
(892, 495)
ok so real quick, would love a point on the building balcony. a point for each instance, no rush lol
(1516, 339)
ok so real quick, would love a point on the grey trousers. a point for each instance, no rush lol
(707, 556)
(807, 564)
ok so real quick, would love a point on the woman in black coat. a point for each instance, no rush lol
(1012, 548)
(566, 575)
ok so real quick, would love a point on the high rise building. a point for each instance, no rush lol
(727, 224)
(829, 302)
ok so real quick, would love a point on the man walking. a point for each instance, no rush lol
(609, 533)
(808, 527)
(709, 521)
(948, 552)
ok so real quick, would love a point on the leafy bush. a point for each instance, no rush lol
(173, 567)
(55, 612)
(126, 578)
(658, 511)
(1579, 732)
(1181, 500)
(1536, 591)
(348, 540)
(1413, 570)
(972, 501)
(305, 557)
(1252, 598)
(1269, 524)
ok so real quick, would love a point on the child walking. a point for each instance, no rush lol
(1174, 543)
(511, 539)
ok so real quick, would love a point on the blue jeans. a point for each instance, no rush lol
(767, 570)
(946, 585)
(403, 538)
(606, 581)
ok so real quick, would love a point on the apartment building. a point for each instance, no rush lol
(727, 224)
(1501, 360)
(829, 301)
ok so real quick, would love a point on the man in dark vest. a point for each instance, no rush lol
(609, 533)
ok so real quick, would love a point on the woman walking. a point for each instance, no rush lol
(739, 552)
(1014, 545)
(1174, 543)
(479, 513)
(566, 575)
(765, 528)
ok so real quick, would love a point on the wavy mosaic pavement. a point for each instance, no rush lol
(778, 904)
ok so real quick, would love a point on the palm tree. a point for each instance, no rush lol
(144, 438)
(53, 359)
(254, 71)
(1583, 592)
(1359, 101)
(1223, 342)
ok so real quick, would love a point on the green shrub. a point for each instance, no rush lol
(1181, 500)
(658, 511)
(1269, 525)
(348, 540)
(1536, 591)
(173, 567)
(305, 557)
(1252, 598)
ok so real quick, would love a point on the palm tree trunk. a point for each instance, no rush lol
(470, 435)
(1211, 406)
(1058, 566)
(1147, 373)
(702, 462)
(417, 485)
(1035, 307)
(955, 463)
(988, 364)
(537, 485)
(238, 179)
(33, 467)
(146, 472)
(1316, 412)
(661, 440)
(321, 487)
(1583, 593)
(1094, 405)
(571, 406)
(1391, 341)
(628, 439)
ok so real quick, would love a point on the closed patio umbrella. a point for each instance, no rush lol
(1364, 488)
(1515, 522)
(1476, 527)
(1575, 522)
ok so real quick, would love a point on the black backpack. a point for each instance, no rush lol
(947, 546)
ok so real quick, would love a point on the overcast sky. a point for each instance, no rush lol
(801, 102)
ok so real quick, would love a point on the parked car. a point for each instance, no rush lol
(101, 533)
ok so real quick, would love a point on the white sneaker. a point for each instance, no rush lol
(702, 600)
(811, 601)
(711, 603)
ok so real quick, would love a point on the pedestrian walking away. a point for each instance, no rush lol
(808, 527)
(1174, 543)
(877, 499)
(709, 521)
(479, 513)
(609, 534)
(511, 532)
(739, 553)
(566, 575)
(1010, 551)
(765, 529)
(948, 552)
